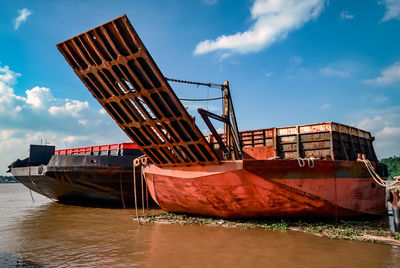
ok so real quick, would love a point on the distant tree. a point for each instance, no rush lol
(7, 179)
(393, 164)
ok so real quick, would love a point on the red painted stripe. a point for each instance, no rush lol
(96, 148)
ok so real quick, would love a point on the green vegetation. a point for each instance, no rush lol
(397, 236)
(7, 179)
(393, 164)
(360, 230)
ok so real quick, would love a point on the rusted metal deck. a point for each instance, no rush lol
(328, 140)
(116, 67)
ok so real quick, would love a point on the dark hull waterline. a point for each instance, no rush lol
(85, 180)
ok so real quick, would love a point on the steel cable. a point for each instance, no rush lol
(208, 99)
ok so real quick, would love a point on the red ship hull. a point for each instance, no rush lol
(260, 188)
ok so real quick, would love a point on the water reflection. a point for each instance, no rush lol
(68, 236)
(220, 247)
(54, 235)
(10, 260)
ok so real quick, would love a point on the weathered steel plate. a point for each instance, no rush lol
(116, 67)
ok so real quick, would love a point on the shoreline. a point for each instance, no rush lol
(354, 230)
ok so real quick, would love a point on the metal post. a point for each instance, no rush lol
(396, 211)
(225, 89)
(396, 219)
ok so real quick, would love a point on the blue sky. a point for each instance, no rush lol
(288, 62)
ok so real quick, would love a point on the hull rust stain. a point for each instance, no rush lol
(254, 188)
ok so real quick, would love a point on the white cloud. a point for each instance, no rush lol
(83, 122)
(210, 2)
(6, 134)
(268, 74)
(73, 139)
(384, 124)
(372, 123)
(7, 76)
(330, 71)
(7, 79)
(325, 106)
(23, 15)
(273, 20)
(71, 107)
(345, 15)
(388, 137)
(192, 106)
(225, 55)
(389, 75)
(38, 97)
(206, 131)
(295, 70)
(392, 9)
(339, 69)
(36, 115)
(296, 61)
(377, 98)
(294, 64)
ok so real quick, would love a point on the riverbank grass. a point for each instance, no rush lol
(357, 230)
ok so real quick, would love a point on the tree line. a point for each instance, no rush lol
(393, 165)
(7, 179)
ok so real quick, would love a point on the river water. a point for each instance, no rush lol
(47, 234)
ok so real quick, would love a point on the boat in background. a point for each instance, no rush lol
(308, 170)
(87, 176)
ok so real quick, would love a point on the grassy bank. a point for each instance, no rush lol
(360, 230)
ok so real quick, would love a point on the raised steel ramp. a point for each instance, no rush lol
(116, 67)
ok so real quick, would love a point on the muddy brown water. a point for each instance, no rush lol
(47, 234)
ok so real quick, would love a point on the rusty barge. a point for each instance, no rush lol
(307, 170)
(87, 176)
(289, 171)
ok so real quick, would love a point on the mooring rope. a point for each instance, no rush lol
(301, 162)
(122, 193)
(29, 175)
(134, 189)
(141, 181)
(140, 161)
(33, 200)
(373, 173)
(310, 161)
(147, 195)
(144, 162)
(393, 186)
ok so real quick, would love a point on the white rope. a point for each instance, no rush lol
(144, 162)
(310, 161)
(135, 162)
(140, 161)
(301, 162)
(373, 173)
(141, 182)
(395, 185)
(391, 187)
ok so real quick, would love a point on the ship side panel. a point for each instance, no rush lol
(267, 188)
